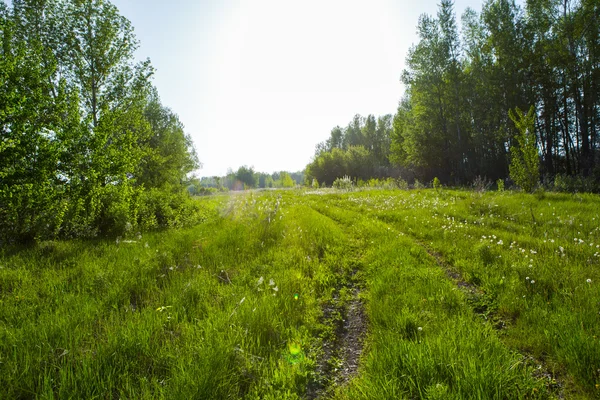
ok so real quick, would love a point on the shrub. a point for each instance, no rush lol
(500, 185)
(344, 183)
(401, 184)
(524, 164)
(418, 184)
(436, 183)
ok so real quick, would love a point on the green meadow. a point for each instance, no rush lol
(299, 294)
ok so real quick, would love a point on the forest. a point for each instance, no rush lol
(462, 80)
(87, 148)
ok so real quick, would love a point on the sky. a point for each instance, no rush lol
(261, 82)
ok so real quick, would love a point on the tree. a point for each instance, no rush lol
(524, 165)
(246, 176)
(82, 134)
(170, 153)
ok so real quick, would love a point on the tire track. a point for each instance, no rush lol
(345, 313)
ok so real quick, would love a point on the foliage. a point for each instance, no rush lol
(286, 180)
(524, 163)
(500, 185)
(360, 150)
(247, 177)
(436, 184)
(452, 121)
(344, 183)
(83, 133)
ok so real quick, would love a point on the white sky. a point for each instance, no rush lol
(261, 82)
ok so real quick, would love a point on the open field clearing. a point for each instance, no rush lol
(316, 294)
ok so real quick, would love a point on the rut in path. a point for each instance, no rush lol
(555, 383)
(341, 354)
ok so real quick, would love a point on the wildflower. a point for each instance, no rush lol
(500, 242)
(589, 280)
(532, 281)
(271, 282)
(527, 278)
(419, 329)
(260, 281)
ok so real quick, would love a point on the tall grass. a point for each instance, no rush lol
(234, 307)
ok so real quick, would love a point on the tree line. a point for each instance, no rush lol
(87, 148)
(461, 84)
(245, 178)
(360, 150)
(453, 121)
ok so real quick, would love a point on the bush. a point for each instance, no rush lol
(401, 184)
(436, 183)
(344, 183)
(525, 161)
(500, 185)
(418, 184)
(575, 184)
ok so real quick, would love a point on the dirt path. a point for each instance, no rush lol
(339, 360)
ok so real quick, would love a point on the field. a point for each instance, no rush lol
(316, 294)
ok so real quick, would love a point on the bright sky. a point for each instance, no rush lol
(261, 82)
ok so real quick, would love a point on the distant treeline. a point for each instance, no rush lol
(360, 150)
(453, 121)
(245, 178)
(86, 147)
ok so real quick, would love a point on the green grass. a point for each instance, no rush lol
(466, 295)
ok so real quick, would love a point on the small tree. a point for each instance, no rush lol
(524, 164)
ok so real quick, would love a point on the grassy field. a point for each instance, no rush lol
(316, 294)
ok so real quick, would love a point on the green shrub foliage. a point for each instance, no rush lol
(86, 147)
(525, 163)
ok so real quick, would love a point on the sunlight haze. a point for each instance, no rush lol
(261, 82)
